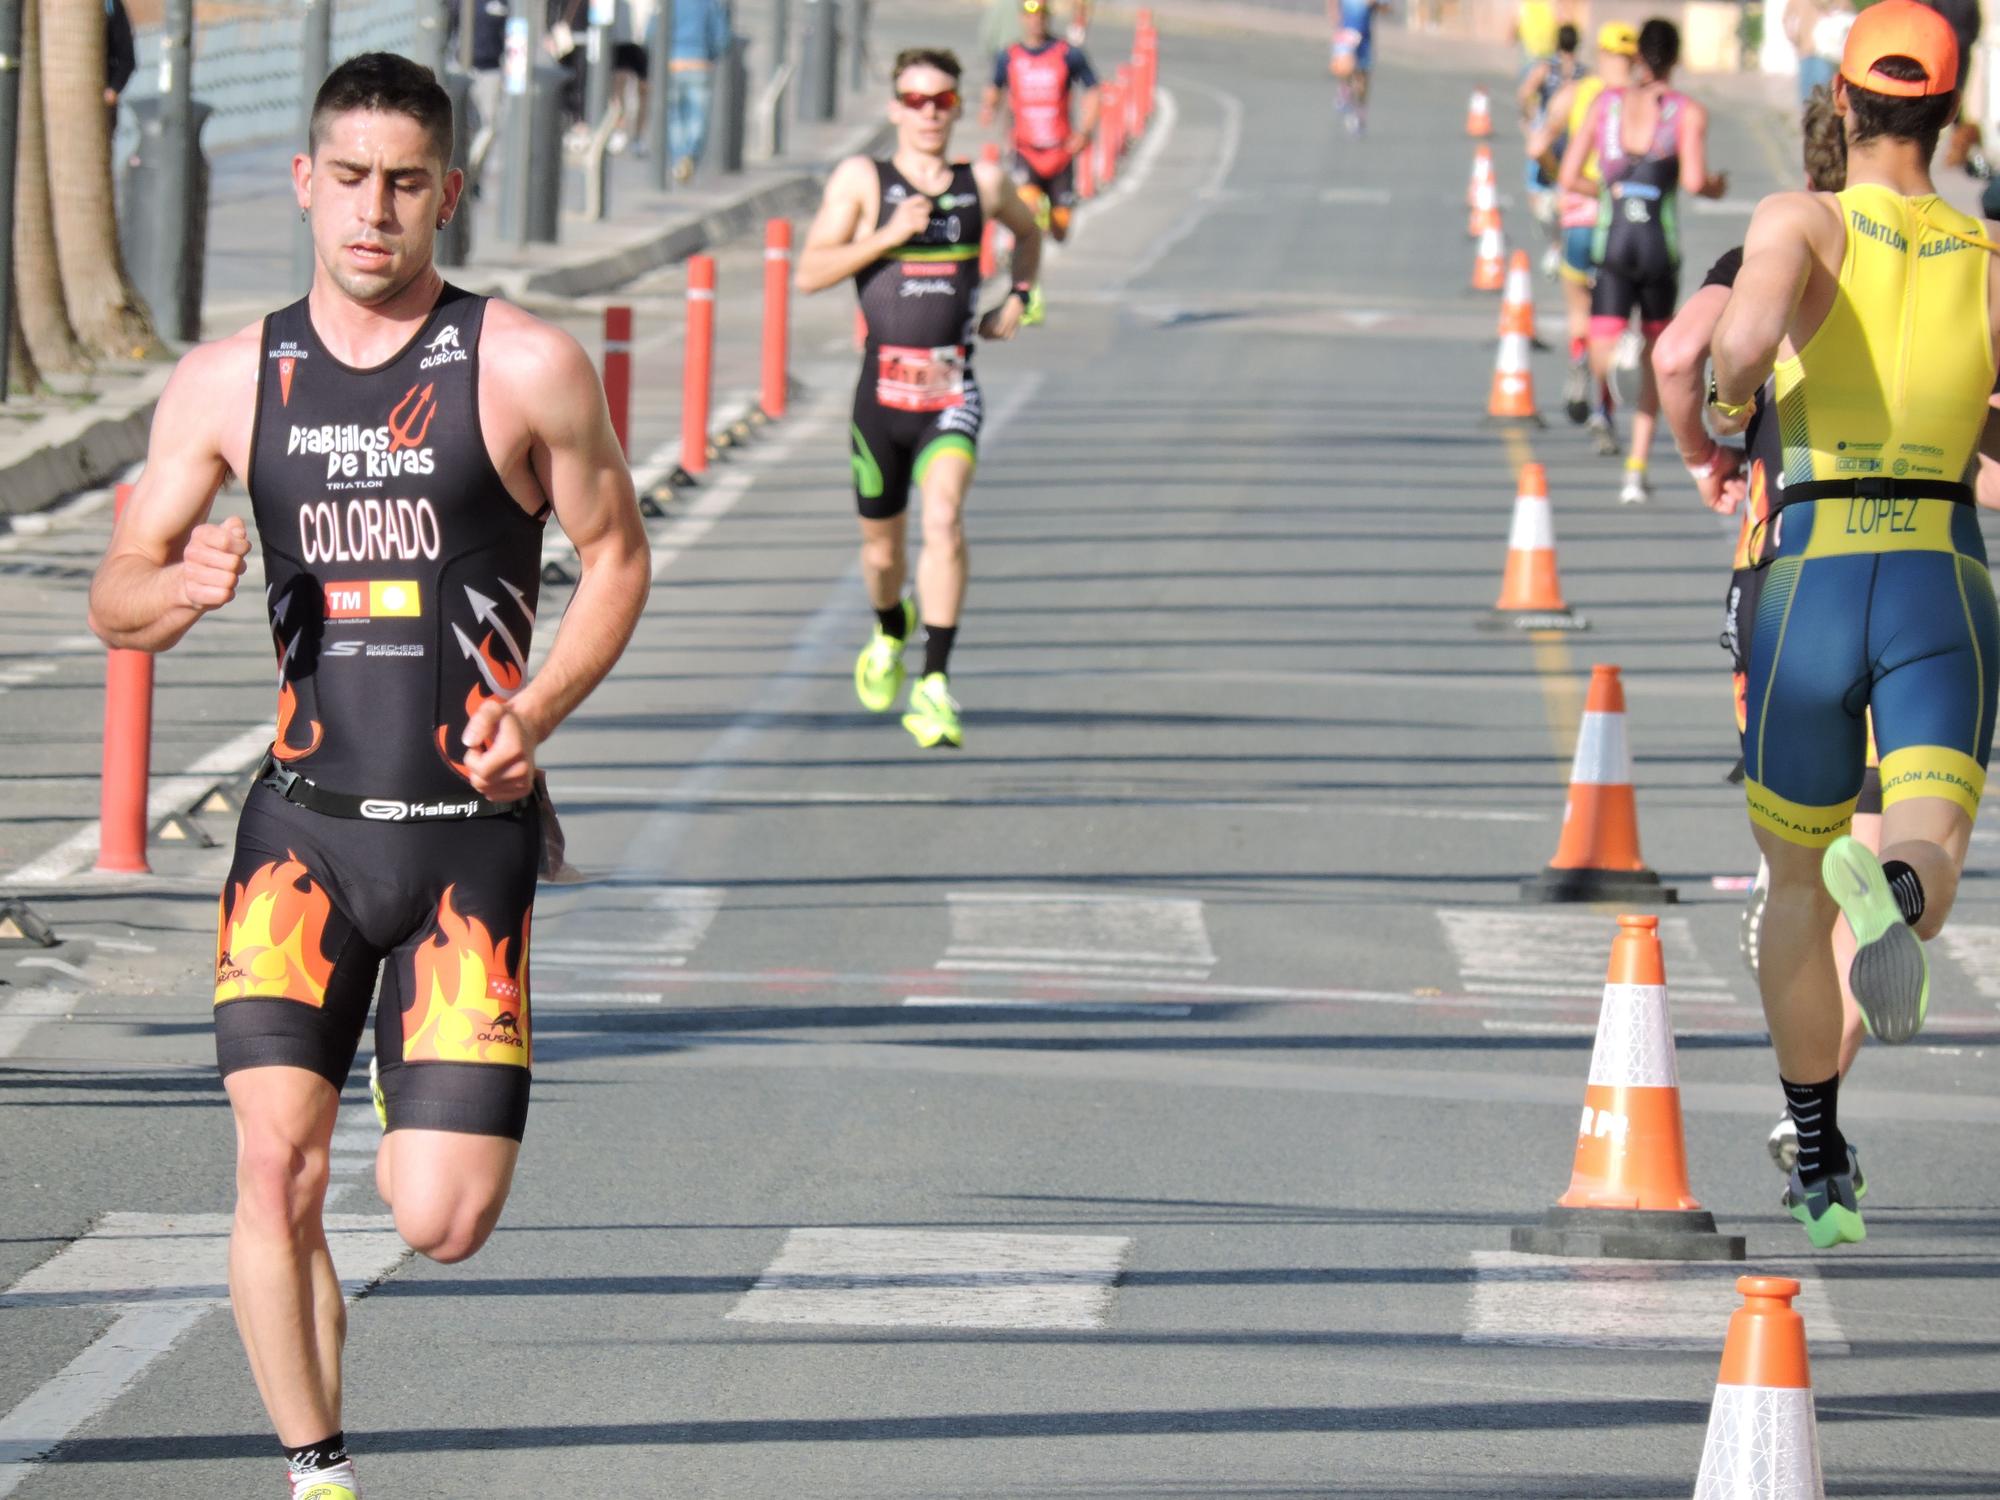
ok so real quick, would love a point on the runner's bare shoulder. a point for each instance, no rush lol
(541, 372)
(212, 392)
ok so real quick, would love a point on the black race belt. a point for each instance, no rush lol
(301, 792)
(1874, 489)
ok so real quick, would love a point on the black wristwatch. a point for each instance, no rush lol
(1024, 290)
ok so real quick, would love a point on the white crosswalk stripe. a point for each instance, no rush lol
(1627, 1304)
(927, 1279)
(1147, 937)
(585, 941)
(1563, 953)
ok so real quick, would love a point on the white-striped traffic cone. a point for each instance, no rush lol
(1597, 857)
(1763, 1434)
(1531, 596)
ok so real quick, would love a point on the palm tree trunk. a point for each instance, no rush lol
(37, 273)
(23, 379)
(108, 315)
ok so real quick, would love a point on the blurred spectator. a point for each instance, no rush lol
(701, 39)
(1817, 30)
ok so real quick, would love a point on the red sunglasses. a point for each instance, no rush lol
(943, 103)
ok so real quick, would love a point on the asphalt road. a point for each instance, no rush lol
(1136, 1102)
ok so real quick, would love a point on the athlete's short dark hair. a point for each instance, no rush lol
(941, 58)
(1659, 46)
(386, 84)
(1893, 117)
(1826, 142)
(1566, 38)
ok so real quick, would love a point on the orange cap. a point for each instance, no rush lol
(1901, 28)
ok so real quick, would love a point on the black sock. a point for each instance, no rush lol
(1822, 1148)
(937, 647)
(1907, 889)
(313, 1457)
(894, 622)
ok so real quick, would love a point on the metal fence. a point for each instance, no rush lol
(246, 59)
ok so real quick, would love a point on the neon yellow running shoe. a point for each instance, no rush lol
(1036, 312)
(933, 715)
(329, 1492)
(1891, 974)
(375, 1092)
(878, 671)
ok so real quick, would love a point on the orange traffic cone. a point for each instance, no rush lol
(1482, 171)
(1478, 116)
(1597, 858)
(1628, 1193)
(1517, 303)
(1763, 1435)
(1530, 596)
(1513, 397)
(1489, 272)
(1485, 213)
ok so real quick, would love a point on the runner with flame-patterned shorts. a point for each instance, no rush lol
(317, 908)
(401, 584)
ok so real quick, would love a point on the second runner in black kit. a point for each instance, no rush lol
(918, 396)
(908, 231)
(401, 582)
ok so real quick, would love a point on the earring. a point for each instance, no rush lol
(302, 214)
(442, 222)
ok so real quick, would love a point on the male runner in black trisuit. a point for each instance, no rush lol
(907, 230)
(402, 442)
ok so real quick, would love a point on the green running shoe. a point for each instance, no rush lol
(1890, 975)
(375, 1092)
(1791, 1199)
(878, 671)
(1830, 1209)
(933, 715)
(1036, 312)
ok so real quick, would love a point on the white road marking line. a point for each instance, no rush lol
(1355, 195)
(1626, 1304)
(1005, 966)
(26, 673)
(1568, 949)
(1976, 950)
(597, 997)
(1077, 1007)
(1206, 197)
(21, 1014)
(169, 795)
(167, 1271)
(561, 959)
(60, 965)
(1077, 933)
(114, 945)
(908, 1278)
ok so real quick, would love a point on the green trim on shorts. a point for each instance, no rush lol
(949, 442)
(867, 472)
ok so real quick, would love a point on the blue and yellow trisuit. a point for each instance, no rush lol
(1876, 592)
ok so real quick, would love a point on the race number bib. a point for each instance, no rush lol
(920, 379)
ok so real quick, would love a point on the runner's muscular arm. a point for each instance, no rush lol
(1555, 120)
(1777, 262)
(165, 567)
(832, 251)
(1694, 155)
(1570, 179)
(1677, 362)
(998, 198)
(545, 376)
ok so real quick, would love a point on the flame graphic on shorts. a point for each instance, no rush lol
(288, 707)
(269, 936)
(469, 1002)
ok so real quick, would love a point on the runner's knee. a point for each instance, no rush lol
(280, 1183)
(447, 1230)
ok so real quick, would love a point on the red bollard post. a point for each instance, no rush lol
(128, 755)
(777, 316)
(1109, 143)
(989, 249)
(1086, 172)
(700, 363)
(618, 373)
(1128, 98)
